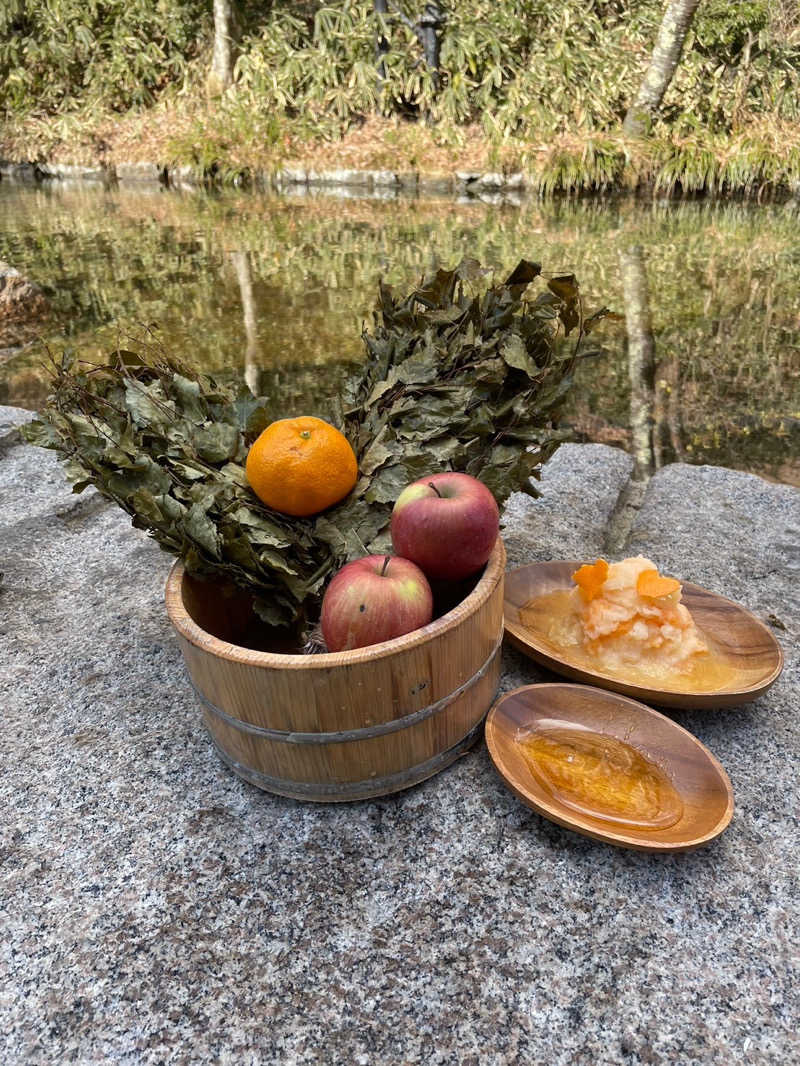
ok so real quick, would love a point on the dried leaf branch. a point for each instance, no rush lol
(460, 375)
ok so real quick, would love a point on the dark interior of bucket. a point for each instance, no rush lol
(226, 612)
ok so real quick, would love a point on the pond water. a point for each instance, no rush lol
(277, 290)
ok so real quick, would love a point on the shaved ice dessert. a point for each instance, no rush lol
(626, 621)
(630, 615)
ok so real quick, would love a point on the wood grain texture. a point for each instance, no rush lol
(752, 651)
(348, 725)
(699, 779)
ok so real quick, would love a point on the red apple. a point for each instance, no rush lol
(447, 524)
(374, 599)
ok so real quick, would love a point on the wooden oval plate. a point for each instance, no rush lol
(705, 798)
(746, 644)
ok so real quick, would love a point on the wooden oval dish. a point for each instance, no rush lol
(695, 774)
(746, 643)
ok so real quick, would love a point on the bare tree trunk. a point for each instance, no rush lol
(641, 357)
(429, 32)
(244, 275)
(381, 43)
(221, 73)
(664, 60)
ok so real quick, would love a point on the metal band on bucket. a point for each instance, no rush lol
(366, 733)
(351, 790)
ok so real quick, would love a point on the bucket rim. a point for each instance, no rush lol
(187, 628)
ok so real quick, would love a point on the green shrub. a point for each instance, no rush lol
(517, 67)
(60, 54)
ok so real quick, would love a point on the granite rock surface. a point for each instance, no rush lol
(581, 487)
(11, 418)
(156, 909)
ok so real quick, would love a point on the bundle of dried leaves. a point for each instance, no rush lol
(455, 379)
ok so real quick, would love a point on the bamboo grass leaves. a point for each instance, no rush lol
(461, 374)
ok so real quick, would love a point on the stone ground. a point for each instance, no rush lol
(156, 909)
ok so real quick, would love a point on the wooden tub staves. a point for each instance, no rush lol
(348, 725)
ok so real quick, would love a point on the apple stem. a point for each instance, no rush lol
(385, 565)
(431, 485)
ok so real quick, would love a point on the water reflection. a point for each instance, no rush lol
(641, 359)
(244, 275)
(278, 290)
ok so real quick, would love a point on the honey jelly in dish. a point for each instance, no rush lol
(600, 776)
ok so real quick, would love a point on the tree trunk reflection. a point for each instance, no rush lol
(641, 357)
(244, 275)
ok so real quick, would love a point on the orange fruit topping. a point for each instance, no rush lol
(653, 586)
(301, 466)
(623, 627)
(590, 579)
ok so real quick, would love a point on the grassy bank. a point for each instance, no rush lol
(761, 160)
(535, 88)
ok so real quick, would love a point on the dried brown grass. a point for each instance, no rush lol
(756, 159)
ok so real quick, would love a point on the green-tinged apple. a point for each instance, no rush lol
(447, 524)
(374, 599)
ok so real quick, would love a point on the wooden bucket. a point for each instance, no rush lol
(348, 725)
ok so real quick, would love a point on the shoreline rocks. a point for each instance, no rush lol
(492, 187)
(20, 299)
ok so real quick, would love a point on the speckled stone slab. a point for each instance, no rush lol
(156, 909)
(580, 487)
(11, 418)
